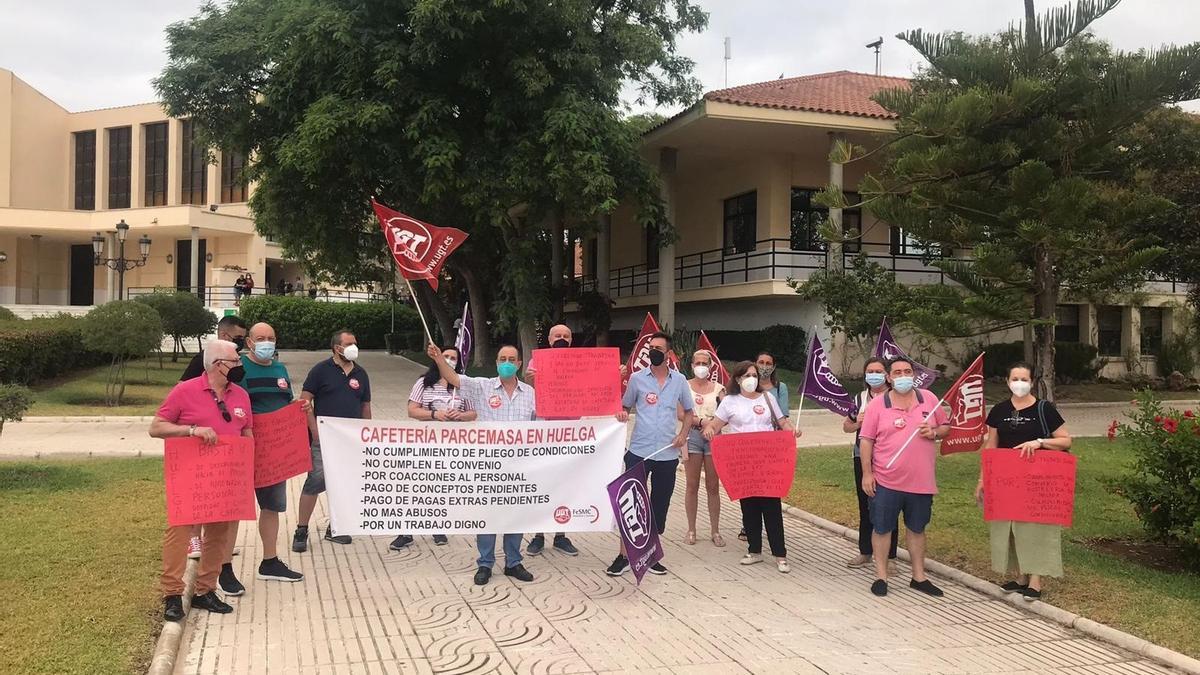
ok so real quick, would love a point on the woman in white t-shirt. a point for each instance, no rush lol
(747, 408)
(707, 395)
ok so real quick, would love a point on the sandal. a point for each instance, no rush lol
(718, 540)
(690, 538)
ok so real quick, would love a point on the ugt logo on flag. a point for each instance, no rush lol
(419, 249)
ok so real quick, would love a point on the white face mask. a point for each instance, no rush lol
(749, 384)
(701, 372)
(350, 353)
(1020, 387)
(453, 363)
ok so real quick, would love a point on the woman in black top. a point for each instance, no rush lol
(1026, 424)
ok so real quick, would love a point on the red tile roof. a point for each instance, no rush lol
(841, 93)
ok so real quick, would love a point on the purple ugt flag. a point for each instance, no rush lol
(887, 349)
(821, 385)
(635, 521)
(465, 342)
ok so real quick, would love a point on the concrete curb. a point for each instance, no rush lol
(166, 649)
(1121, 639)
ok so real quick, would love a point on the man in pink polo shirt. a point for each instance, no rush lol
(899, 450)
(206, 407)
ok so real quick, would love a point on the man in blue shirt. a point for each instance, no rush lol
(656, 394)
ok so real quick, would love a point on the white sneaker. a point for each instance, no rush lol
(194, 545)
(751, 558)
(782, 566)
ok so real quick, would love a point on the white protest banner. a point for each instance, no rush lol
(410, 477)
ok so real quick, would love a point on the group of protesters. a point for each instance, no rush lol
(896, 427)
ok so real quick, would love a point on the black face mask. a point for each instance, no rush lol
(239, 342)
(657, 357)
(235, 374)
(560, 342)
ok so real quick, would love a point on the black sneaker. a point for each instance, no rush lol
(618, 566)
(173, 608)
(536, 545)
(564, 545)
(482, 575)
(926, 587)
(229, 582)
(440, 540)
(300, 540)
(518, 572)
(400, 542)
(210, 602)
(657, 568)
(1013, 587)
(275, 570)
(340, 539)
(1031, 594)
(879, 587)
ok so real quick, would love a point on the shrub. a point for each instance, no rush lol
(14, 401)
(1177, 354)
(7, 315)
(183, 316)
(1163, 487)
(301, 323)
(123, 329)
(1073, 361)
(43, 348)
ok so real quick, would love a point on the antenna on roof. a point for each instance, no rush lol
(876, 45)
(728, 55)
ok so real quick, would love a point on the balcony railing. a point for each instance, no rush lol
(226, 296)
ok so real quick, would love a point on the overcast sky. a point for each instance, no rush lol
(86, 54)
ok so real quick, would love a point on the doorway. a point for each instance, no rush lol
(183, 266)
(83, 275)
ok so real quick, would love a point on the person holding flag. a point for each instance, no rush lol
(875, 375)
(905, 418)
(707, 394)
(1026, 424)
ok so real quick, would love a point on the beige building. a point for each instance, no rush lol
(741, 167)
(68, 177)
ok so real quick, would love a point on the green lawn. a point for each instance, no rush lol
(79, 565)
(83, 393)
(1159, 606)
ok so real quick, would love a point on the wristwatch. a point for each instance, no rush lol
(192, 430)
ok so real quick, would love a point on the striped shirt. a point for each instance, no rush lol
(269, 386)
(438, 397)
(492, 402)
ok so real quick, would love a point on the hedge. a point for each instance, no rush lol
(302, 323)
(38, 349)
(1073, 361)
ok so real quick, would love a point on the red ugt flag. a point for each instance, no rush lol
(639, 358)
(717, 373)
(420, 249)
(968, 422)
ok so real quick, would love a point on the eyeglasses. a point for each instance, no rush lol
(224, 411)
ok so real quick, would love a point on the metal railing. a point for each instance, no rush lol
(227, 296)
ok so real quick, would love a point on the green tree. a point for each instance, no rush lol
(15, 399)
(183, 316)
(495, 117)
(125, 329)
(1000, 148)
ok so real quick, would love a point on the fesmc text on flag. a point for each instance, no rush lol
(887, 349)
(717, 373)
(639, 358)
(465, 342)
(630, 502)
(967, 411)
(420, 249)
(821, 385)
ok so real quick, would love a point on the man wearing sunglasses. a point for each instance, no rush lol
(206, 407)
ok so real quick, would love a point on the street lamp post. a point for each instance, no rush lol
(120, 263)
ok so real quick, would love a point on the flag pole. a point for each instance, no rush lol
(419, 312)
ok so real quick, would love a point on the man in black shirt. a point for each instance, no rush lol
(230, 328)
(337, 387)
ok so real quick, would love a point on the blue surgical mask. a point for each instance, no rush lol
(506, 369)
(875, 379)
(264, 350)
(902, 385)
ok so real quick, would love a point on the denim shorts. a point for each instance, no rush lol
(697, 444)
(272, 497)
(314, 484)
(888, 504)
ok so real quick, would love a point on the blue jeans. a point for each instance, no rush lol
(486, 543)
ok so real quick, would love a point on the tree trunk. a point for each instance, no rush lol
(1032, 39)
(435, 310)
(478, 297)
(528, 337)
(1045, 304)
(556, 267)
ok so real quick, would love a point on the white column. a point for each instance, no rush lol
(602, 263)
(174, 162)
(666, 254)
(833, 261)
(137, 166)
(195, 281)
(37, 269)
(101, 169)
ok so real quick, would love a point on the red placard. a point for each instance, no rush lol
(209, 483)
(281, 445)
(1036, 490)
(578, 382)
(755, 464)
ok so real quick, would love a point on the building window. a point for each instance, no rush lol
(1152, 330)
(1067, 327)
(1108, 323)
(652, 248)
(85, 170)
(741, 223)
(156, 164)
(904, 243)
(233, 186)
(120, 155)
(195, 166)
(807, 217)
